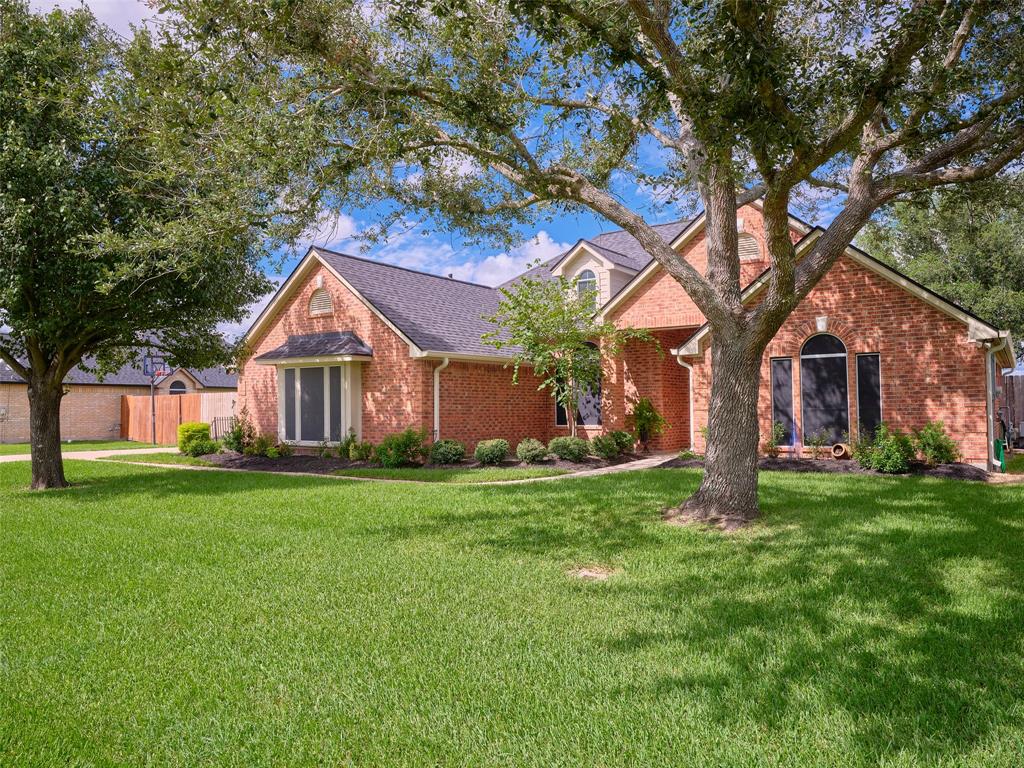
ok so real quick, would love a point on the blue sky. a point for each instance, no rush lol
(408, 246)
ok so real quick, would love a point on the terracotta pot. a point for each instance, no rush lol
(841, 451)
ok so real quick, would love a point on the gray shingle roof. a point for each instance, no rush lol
(437, 313)
(129, 376)
(318, 344)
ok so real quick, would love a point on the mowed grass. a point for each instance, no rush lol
(453, 474)
(161, 617)
(1015, 465)
(161, 458)
(14, 449)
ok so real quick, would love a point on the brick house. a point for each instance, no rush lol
(349, 343)
(91, 409)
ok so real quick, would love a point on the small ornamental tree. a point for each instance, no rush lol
(132, 209)
(485, 115)
(550, 327)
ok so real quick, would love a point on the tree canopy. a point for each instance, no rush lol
(966, 243)
(481, 115)
(132, 209)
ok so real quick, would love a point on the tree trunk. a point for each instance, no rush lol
(44, 397)
(727, 496)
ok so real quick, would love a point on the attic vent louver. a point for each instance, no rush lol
(749, 248)
(320, 303)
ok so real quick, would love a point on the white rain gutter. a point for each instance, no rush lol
(689, 370)
(437, 398)
(990, 377)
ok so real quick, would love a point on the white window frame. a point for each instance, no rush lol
(350, 405)
(581, 281)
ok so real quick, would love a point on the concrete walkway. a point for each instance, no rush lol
(630, 466)
(95, 454)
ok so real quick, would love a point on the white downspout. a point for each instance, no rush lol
(990, 375)
(437, 398)
(689, 370)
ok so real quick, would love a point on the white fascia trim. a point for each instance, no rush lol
(285, 291)
(434, 354)
(573, 252)
(299, 362)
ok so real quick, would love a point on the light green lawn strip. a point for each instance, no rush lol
(12, 449)
(1015, 466)
(159, 617)
(453, 474)
(161, 458)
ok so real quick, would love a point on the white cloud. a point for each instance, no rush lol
(119, 15)
(496, 269)
(331, 229)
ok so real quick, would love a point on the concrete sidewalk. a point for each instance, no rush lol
(95, 454)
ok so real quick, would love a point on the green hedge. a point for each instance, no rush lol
(190, 432)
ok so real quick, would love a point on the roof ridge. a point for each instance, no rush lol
(404, 269)
(689, 220)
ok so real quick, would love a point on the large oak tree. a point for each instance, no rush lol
(132, 208)
(484, 114)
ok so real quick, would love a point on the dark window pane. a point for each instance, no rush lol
(289, 403)
(311, 387)
(869, 394)
(825, 397)
(823, 344)
(336, 409)
(782, 397)
(560, 419)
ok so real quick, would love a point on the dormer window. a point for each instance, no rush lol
(320, 302)
(586, 286)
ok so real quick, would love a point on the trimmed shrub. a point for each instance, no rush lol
(360, 451)
(935, 446)
(491, 451)
(890, 452)
(625, 440)
(605, 447)
(345, 446)
(262, 445)
(201, 447)
(241, 432)
(771, 445)
(569, 448)
(402, 449)
(447, 452)
(191, 431)
(531, 451)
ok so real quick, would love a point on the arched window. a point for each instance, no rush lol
(320, 302)
(177, 388)
(586, 285)
(749, 249)
(824, 388)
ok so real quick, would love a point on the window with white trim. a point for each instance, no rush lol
(177, 388)
(586, 286)
(314, 402)
(320, 302)
(824, 388)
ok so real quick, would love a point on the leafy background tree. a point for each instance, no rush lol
(550, 326)
(483, 115)
(133, 209)
(966, 243)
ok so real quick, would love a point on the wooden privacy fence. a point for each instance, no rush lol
(171, 410)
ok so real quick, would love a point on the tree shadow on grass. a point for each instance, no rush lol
(898, 606)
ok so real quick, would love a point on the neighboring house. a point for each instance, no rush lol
(91, 409)
(349, 343)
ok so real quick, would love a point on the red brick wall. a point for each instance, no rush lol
(929, 370)
(662, 303)
(396, 388)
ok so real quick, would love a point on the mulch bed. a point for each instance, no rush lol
(320, 466)
(848, 467)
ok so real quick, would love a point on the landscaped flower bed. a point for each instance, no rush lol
(954, 471)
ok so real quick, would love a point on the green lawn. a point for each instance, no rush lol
(160, 617)
(161, 458)
(454, 474)
(11, 449)
(1015, 466)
